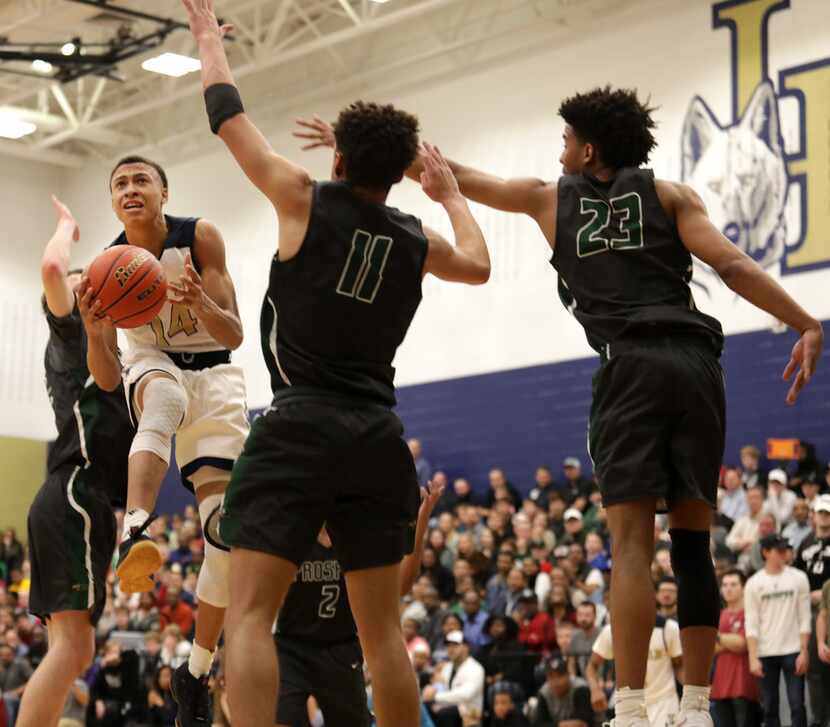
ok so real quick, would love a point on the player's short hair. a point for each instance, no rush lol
(378, 143)
(615, 121)
(136, 159)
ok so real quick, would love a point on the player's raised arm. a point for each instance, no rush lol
(468, 261)
(287, 185)
(743, 275)
(54, 265)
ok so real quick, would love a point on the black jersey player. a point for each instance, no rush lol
(343, 289)
(319, 652)
(72, 530)
(622, 244)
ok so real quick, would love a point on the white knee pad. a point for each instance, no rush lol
(212, 586)
(165, 404)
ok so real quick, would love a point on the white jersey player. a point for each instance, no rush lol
(178, 379)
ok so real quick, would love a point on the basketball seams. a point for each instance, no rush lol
(127, 291)
(139, 312)
(106, 277)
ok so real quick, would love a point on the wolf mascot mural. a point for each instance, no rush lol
(770, 201)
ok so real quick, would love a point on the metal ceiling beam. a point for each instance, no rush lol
(350, 11)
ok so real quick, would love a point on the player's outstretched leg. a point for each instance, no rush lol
(633, 608)
(258, 584)
(190, 680)
(71, 650)
(159, 404)
(374, 597)
(698, 605)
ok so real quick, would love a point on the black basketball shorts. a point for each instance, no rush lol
(658, 421)
(72, 535)
(309, 461)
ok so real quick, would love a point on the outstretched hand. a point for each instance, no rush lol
(65, 217)
(803, 361)
(202, 19)
(188, 288)
(319, 133)
(437, 179)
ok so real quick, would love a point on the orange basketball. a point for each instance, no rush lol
(130, 283)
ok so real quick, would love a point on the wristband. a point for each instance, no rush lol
(223, 102)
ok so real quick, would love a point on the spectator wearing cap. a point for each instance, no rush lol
(732, 502)
(665, 663)
(744, 532)
(563, 700)
(575, 487)
(799, 527)
(780, 500)
(734, 692)
(752, 475)
(667, 597)
(573, 527)
(505, 711)
(813, 558)
(537, 630)
(457, 696)
(423, 469)
(777, 608)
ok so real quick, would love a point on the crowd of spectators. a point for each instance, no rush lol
(507, 624)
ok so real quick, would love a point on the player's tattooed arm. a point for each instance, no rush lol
(287, 185)
(54, 265)
(210, 294)
(743, 275)
(102, 341)
(469, 260)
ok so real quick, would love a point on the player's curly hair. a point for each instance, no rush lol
(615, 121)
(136, 159)
(378, 143)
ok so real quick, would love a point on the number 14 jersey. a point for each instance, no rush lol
(335, 314)
(623, 269)
(176, 328)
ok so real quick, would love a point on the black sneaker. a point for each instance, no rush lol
(138, 559)
(192, 697)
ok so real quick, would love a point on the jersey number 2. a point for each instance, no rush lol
(328, 603)
(363, 273)
(181, 321)
(599, 235)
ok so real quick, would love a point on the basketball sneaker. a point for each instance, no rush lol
(695, 714)
(138, 559)
(192, 697)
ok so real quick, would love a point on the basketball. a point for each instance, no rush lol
(130, 283)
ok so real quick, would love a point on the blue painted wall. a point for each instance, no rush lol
(525, 417)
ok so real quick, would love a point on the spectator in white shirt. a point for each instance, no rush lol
(799, 527)
(780, 500)
(457, 697)
(733, 500)
(777, 613)
(744, 532)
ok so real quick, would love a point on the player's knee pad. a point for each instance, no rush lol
(698, 600)
(165, 404)
(212, 586)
